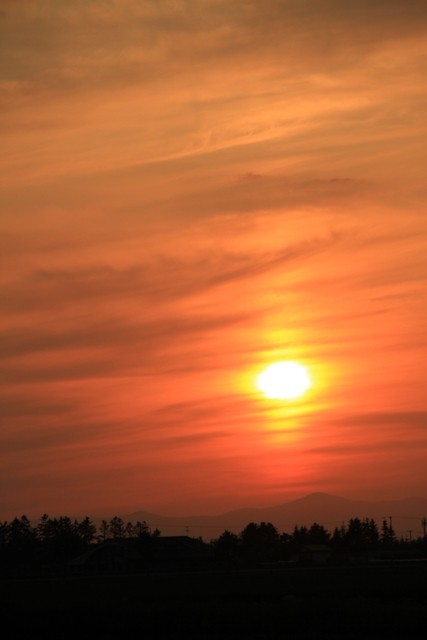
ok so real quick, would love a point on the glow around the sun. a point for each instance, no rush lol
(284, 380)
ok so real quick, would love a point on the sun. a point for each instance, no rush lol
(284, 380)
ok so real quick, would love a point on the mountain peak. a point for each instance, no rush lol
(320, 497)
(320, 507)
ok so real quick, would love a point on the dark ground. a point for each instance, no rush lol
(369, 602)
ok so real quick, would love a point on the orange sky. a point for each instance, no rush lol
(191, 190)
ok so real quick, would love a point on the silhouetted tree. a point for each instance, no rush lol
(21, 533)
(117, 527)
(141, 528)
(4, 534)
(42, 527)
(360, 536)
(300, 535)
(260, 541)
(104, 531)
(317, 534)
(338, 538)
(61, 539)
(20, 550)
(371, 532)
(355, 538)
(86, 530)
(227, 547)
(388, 536)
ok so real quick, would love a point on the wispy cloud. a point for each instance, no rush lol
(188, 191)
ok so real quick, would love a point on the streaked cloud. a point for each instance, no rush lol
(190, 190)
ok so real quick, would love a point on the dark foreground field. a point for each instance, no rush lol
(366, 602)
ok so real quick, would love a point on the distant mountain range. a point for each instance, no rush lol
(325, 509)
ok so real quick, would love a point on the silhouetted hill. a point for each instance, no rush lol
(329, 510)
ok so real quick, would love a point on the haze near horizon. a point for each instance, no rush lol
(192, 192)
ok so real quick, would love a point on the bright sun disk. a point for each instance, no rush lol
(284, 380)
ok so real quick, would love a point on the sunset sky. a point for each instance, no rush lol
(192, 190)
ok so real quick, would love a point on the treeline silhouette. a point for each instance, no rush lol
(354, 540)
(48, 547)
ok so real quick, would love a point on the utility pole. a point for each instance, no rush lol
(424, 525)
